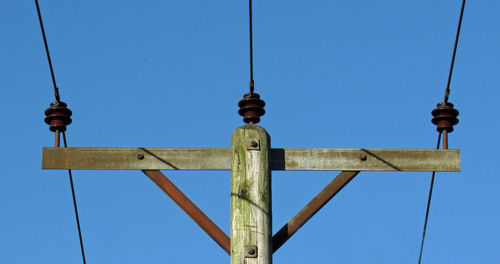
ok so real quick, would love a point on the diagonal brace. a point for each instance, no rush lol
(312, 208)
(190, 208)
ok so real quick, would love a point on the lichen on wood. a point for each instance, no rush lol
(251, 196)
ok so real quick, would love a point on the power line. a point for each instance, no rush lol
(59, 103)
(250, 22)
(443, 132)
(251, 106)
(428, 206)
(75, 205)
(447, 91)
(56, 90)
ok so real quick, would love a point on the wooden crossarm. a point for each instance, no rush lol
(281, 159)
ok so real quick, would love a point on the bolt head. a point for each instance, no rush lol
(140, 156)
(254, 144)
(363, 157)
(251, 251)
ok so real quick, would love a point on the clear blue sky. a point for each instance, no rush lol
(334, 74)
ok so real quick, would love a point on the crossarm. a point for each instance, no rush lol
(281, 159)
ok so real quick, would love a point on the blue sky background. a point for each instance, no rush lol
(334, 74)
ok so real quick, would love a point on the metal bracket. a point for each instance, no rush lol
(250, 251)
(253, 144)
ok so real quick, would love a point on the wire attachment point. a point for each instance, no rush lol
(58, 116)
(251, 86)
(251, 108)
(445, 117)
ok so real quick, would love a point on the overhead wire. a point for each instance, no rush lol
(250, 23)
(75, 206)
(444, 133)
(58, 99)
(56, 89)
(251, 106)
(429, 198)
(447, 90)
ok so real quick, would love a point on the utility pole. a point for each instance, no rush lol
(251, 211)
(251, 160)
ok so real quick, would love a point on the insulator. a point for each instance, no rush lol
(445, 117)
(58, 116)
(251, 108)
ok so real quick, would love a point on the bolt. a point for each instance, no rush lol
(363, 157)
(243, 193)
(251, 250)
(140, 156)
(254, 144)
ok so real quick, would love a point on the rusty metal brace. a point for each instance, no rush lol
(190, 208)
(312, 208)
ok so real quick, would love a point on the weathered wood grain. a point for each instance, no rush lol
(281, 159)
(251, 230)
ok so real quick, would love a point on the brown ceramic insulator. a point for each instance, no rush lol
(251, 108)
(58, 116)
(445, 117)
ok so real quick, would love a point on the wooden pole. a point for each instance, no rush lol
(251, 228)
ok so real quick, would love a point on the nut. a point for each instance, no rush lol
(250, 251)
(140, 156)
(254, 144)
(363, 157)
